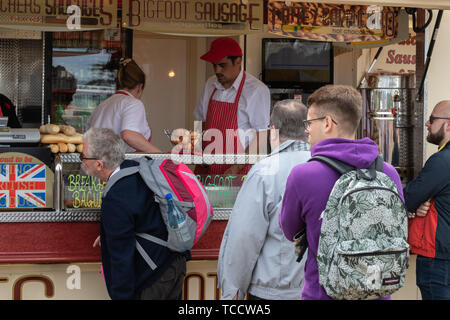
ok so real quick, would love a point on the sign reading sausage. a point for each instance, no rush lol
(59, 13)
(194, 16)
(332, 22)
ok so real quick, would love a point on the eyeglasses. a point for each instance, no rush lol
(307, 123)
(82, 158)
(432, 118)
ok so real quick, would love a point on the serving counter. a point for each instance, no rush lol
(64, 234)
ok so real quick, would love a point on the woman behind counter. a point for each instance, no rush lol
(124, 112)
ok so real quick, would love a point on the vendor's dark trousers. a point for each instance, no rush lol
(433, 278)
(170, 285)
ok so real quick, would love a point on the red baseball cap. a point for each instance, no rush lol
(221, 48)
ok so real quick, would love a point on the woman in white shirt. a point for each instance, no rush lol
(124, 112)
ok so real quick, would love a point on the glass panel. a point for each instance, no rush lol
(80, 191)
(85, 192)
(84, 70)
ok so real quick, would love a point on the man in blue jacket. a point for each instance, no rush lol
(129, 208)
(428, 196)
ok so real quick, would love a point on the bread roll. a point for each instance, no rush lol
(61, 138)
(67, 130)
(80, 148)
(49, 128)
(53, 148)
(62, 147)
(71, 147)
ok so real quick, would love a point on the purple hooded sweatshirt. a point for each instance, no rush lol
(307, 190)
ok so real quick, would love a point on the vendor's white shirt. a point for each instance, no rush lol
(121, 112)
(253, 108)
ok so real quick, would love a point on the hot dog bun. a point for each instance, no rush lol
(61, 138)
(49, 128)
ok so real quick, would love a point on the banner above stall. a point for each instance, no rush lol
(199, 17)
(342, 23)
(423, 4)
(58, 15)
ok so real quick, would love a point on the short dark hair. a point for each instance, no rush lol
(342, 102)
(287, 116)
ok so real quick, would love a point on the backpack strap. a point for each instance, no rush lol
(339, 166)
(342, 167)
(119, 175)
(379, 163)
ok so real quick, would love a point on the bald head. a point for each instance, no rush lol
(439, 124)
(442, 109)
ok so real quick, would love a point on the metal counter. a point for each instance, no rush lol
(63, 213)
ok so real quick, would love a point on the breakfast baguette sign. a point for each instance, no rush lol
(333, 22)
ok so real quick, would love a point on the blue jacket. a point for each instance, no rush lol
(433, 182)
(128, 208)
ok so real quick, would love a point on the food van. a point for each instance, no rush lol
(57, 68)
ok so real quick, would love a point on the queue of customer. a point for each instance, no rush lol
(288, 195)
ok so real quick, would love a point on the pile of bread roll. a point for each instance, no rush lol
(61, 138)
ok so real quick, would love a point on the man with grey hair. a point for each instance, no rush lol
(255, 257)
(129, 208)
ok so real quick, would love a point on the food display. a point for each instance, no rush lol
(61, 138)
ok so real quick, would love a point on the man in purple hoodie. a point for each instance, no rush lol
(334, 113)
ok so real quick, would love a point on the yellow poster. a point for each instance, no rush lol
(333, 22)
(225, 17)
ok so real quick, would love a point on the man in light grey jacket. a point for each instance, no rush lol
(255, 257)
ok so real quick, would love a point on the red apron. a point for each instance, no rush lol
(129, 94)
(223, 116)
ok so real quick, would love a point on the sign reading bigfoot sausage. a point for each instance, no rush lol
(68, 14)
(194, 16)
(332, 22)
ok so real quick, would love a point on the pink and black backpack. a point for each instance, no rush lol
(168, 176)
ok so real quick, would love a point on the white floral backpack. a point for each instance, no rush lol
(363, 251)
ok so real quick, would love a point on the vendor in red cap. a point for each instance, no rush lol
(232, 101)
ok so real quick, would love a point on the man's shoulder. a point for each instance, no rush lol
(251, 82)
(127, 184)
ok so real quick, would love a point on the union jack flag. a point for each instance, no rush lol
(22, 185)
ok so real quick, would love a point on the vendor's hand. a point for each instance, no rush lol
(97, 242)
(423, 209)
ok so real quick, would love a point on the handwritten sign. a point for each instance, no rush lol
(56, 13)
(332, 22)
(83, 191)
(398, 58)
(222, 190)
(194, 16)
(25, 182)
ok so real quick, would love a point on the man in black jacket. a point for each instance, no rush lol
(428, 196)
(7, 109)
(129, 208)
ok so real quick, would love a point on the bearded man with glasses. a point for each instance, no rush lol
(428, 201)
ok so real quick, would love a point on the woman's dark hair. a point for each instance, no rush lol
(129, 75)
